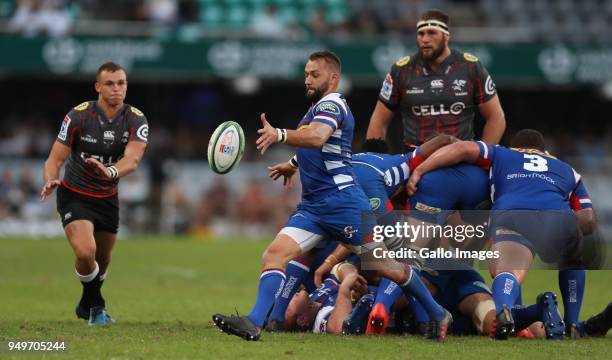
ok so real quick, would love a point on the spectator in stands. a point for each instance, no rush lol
(269, 24)
(41, 17)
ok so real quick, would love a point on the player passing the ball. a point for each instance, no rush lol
(103, 141)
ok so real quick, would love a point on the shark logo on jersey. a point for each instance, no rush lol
(459, 87)
(63, 134)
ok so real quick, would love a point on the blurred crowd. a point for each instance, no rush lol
(547, 20)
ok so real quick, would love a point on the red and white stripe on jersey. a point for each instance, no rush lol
(486, 155)
(272, 271)
(415, 160)
(579, 198)
(300, 263)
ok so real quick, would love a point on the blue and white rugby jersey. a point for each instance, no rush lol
(531, 179)
(394, 169)
(327, 169)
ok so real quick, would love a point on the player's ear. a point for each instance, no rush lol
(97, 86)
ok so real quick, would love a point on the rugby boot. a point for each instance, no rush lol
(437, 329)
(99, 316)
(598, 325)
(504, 324)
(377, 320)
(554, 326)
(353, 325)
(240, 326)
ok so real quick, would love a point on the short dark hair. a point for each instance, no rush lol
(375, 145)
(108, 66)
(528, 138)
(435, 14)
(328, 56)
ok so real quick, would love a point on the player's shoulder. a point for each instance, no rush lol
(133, 111)
(466, 56)
(333, 103)
(401, 62)
(83, 106)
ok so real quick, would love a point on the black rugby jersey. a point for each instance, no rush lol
(89, 133)
(437, 102)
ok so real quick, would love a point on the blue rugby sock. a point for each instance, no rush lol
(524, 316)
(418, 311)
(506, 289)
(270, 285)
(387, 294)
(296, 272)
(415, 287)
(571, 284)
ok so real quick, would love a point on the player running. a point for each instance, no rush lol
(533, 197)
(103, 141)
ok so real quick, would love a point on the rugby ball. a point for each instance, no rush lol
(225, 147)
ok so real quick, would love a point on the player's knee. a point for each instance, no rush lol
(85, 253)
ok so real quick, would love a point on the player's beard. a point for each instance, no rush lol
(435, 53)
(317, 93)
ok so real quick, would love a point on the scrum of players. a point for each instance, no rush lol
(321, 273)
(353, 301)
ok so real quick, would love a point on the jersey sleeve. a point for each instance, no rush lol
(390, 90)
(139, 127)
(329, 113)
(414, 159)
(579, 198)
(68, 128)
(484, 87)
(486, 155)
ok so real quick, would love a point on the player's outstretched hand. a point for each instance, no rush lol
(411, 186)
(48, 189)
(99, 168)
(267, 135)
(283, 169)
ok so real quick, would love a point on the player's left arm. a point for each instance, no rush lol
(581, 203)
(462, 151)
(132, 155)
(339, 254)
(344, 304)
(495, 120)
(489, 106)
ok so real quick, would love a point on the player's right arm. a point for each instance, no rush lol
(581, 203)
(462, 151)
(379, 121)
(387, 104)
(315, 135)
(58, 155)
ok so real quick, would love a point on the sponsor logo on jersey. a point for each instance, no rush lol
(438, 109)
(349, 231)
(459, 87)
(437, 86)
(489, 86)
(109, 135)
(68, 215)
(469, 57)
(387, 88)
(63, 134)
(136, 111)
(427, 209)
(82, 106)
(374, 203)
(415, 90)
(403, 61)
(89, 139)
(143, 132)
(328, 106)
(125, 137)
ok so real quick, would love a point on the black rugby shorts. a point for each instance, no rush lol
(102, 212)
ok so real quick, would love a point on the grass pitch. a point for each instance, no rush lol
(164, 291)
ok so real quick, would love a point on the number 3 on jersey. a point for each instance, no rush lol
(535, 163)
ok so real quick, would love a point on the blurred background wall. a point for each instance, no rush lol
(193, 64)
